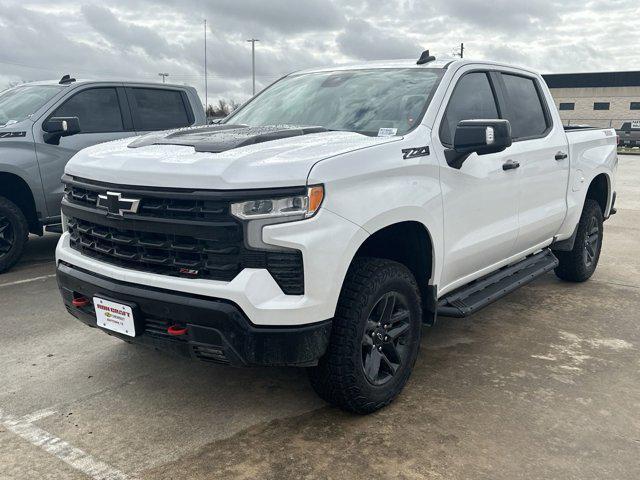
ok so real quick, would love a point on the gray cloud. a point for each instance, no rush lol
(362, 40)
(284, 16)
(125, 35)
(139, 38)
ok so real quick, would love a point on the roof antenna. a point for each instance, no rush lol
(425, 58)
(66, 79)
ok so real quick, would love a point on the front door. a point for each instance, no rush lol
(480, 199)
(101, 120)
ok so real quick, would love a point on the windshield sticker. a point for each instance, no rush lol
(387, 132)
(12, 134)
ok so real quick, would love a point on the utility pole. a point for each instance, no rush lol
(163, 75)
(462, 50)
(206, 85)
(253, 61)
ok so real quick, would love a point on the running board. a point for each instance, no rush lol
(480, 293)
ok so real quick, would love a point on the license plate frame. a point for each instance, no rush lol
(115, 316)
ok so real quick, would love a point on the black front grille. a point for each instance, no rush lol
(155, 207)
(203, 241)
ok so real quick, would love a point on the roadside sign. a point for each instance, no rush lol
(635, 124)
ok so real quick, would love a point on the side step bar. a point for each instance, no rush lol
(480, 293)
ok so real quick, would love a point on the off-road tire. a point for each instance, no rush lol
(339, 378)
(14, 230)
(574, 265)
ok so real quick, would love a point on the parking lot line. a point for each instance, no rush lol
(72, 456)
(27, 280)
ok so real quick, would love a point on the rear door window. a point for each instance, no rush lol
(158, 109)
(472, 99)
(524, 107)
(98, 110)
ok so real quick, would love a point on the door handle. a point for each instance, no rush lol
(510, 165)
(561, 156)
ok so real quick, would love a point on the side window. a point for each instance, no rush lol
(97, 109)
(472, 99)
(524, 107)
(157, 109)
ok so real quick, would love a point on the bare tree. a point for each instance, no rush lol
(222, 109)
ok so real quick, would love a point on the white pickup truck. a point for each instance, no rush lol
(330, 217)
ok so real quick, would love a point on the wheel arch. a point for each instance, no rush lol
(600, 191)
(410, 243)
(16, 189)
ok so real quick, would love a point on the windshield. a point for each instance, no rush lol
(17, 104)
(363, 101)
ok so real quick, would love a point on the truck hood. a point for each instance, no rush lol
(217, 157)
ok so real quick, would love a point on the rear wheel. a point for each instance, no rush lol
(579, 264)
(375, 337)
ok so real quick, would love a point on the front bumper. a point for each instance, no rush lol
(217, 330)
(327, 241)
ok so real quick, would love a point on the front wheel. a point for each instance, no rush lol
(375, 337)
(578, 265)
(14, 231)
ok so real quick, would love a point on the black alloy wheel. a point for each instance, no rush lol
(7, 236)
(14, 231)
(591, 242)
(384, 346)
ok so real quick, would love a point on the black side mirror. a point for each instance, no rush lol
(57, 127)
(478, 136)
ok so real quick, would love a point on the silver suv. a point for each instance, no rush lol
(43, 124)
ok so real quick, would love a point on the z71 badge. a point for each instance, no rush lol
(415, 152)
(12, 134)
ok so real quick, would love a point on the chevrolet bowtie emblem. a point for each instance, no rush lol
(116, 205)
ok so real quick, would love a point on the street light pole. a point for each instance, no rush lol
(163, 75)
(253, 41)
(206, 88)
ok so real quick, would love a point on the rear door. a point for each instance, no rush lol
(480, 199)
(103, 116)
(154, 108)
(540, 147)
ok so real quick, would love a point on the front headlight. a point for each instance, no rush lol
(300, 206)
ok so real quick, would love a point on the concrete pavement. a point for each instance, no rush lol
(542, 384)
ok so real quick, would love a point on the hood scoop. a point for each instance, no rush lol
(220, 138)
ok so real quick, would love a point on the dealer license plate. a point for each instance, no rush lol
(114, 316)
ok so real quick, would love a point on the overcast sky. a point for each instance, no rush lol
(138, 38)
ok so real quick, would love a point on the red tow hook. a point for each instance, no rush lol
(176, 330)
(80, 302)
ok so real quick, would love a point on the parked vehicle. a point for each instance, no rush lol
(629, 134)
(43, 124)
(322, 223)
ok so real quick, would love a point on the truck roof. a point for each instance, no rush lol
(441, 62)
(106, 80)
